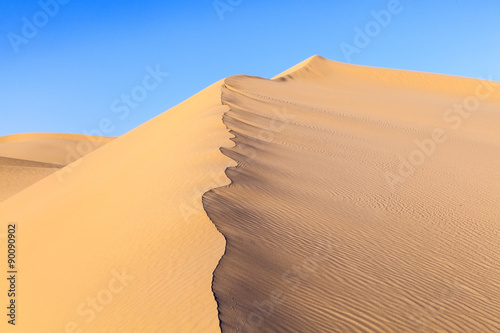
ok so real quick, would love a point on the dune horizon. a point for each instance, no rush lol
(330, 198)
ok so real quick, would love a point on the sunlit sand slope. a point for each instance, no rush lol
(122, 243)
(364, 200)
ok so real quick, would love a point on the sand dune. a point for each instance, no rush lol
(320, 236)
(123, 243)
(16, 175)
(29, 157)
(357, 199)
(56, 148)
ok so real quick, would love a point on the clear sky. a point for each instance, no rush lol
(65, 65)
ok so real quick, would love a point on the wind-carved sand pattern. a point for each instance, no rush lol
(317, 238)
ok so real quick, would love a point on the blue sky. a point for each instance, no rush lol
(67, 64)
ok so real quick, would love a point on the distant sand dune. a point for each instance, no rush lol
(59, 148)
(16, 175)
(29, 157)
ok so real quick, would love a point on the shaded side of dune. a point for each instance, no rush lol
(318, 238)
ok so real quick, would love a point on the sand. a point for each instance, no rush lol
(16, 174)
(123, 244)
(29, 157)
(55, 148)
(357, 199)
(324, 234)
